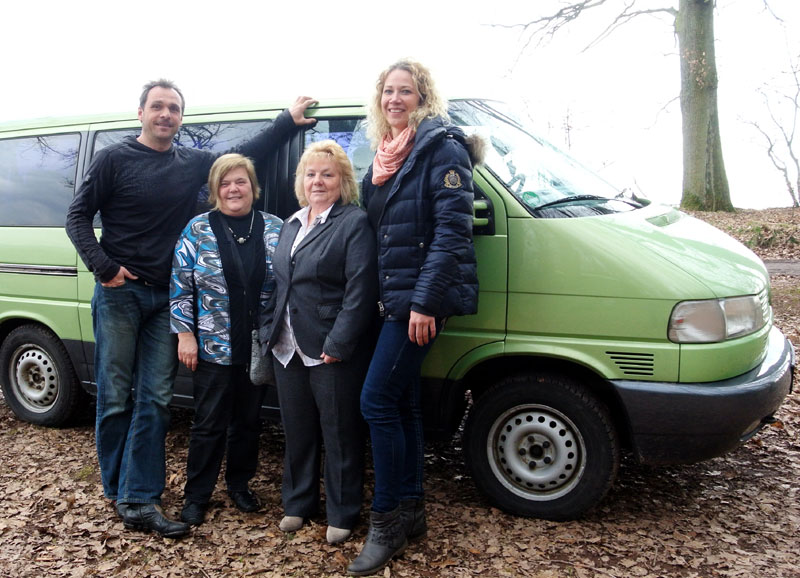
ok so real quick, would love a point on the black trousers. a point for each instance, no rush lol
(226, 419)
(320, 404)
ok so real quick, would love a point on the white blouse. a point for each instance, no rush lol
(287, 344)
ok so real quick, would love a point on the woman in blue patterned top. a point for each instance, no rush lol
(221, 283)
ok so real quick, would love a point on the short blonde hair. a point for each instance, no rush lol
(330, 150)
(431, 103)
(221, 167)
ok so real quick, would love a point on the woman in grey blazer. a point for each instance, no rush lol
(325, 303)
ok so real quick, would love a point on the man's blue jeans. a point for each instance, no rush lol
(390, 403)
(135, 364)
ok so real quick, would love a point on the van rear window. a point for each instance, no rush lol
(37, 179)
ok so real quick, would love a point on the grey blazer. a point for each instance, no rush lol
(330, 284)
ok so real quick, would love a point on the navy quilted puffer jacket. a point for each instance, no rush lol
(426, 260)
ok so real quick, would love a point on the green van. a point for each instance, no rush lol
(605, 323)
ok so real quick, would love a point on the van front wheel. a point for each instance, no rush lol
(541, 446)
(38, 380)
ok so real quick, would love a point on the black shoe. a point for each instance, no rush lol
(245, 500)
(194, 513)
(386, 539)
(121, 509)
(149, 517)
(412, 512)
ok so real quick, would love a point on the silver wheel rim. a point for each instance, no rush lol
(536, 452)
(35, 378)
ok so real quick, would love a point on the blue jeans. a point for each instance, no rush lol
(135, 363)
(390, 403)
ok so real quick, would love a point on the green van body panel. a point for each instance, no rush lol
(584, 298)
(731, 358)
(471, 332)
(86, 285)
(44, 287)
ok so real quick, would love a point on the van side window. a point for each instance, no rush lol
(350, 134)
(38, 179)
(212, 136)
(109, 137)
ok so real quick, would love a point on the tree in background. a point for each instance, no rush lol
(705, 183)
(783, 108)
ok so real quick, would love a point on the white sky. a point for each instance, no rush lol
(89, 56)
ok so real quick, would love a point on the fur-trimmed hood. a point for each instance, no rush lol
(476, 147)
(430, 128)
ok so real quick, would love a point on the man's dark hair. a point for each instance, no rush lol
(163, 83)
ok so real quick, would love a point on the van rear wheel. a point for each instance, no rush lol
(541, 446)
(38, 380)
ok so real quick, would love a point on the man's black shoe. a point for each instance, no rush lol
(245, 500)
(122, 509)
(149, 517)
(193, 513)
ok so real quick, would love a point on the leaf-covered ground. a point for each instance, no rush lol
(738, 515)
(771, 233)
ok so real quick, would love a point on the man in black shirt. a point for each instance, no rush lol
(145, 190)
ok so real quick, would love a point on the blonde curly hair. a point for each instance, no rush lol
(431, 103)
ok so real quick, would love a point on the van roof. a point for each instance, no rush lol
(72, 121)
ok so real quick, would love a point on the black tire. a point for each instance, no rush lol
(541, 446)
(38, 379)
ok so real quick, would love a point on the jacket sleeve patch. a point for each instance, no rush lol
(452, 180)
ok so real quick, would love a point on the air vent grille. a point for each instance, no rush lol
(633, 363)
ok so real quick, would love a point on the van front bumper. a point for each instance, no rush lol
(686, 422)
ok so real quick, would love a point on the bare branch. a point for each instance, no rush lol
(787, 132)
(626, 16)
(546, 27)
(769, 9)
(777, 162)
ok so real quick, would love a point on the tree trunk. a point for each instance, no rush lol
(705, 184)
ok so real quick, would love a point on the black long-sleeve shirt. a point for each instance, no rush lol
(145, 198)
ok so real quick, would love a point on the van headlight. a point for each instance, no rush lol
(715, 320)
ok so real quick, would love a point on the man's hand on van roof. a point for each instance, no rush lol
(298, 109)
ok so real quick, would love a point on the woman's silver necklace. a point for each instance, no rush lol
(243, 240)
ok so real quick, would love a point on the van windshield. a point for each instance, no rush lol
(548, 182)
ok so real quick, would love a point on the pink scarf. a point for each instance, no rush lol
(391, 155)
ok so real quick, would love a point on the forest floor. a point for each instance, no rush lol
(737, 515)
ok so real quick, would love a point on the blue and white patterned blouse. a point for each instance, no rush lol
(199, 297)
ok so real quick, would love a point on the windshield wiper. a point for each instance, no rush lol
(570, 200)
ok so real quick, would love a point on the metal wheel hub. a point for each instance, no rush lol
(36, 378)
(536, 452)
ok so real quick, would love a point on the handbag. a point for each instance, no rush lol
(260, 368)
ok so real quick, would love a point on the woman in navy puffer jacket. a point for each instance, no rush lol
(418, 194)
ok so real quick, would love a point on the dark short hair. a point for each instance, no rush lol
(163, 83)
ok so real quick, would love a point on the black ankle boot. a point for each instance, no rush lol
(412, 512)
(150, 517)
(386, 539)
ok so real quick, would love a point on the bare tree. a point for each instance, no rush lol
(705, 183)
(783, 108)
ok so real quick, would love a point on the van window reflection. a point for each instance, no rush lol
(37, 179)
